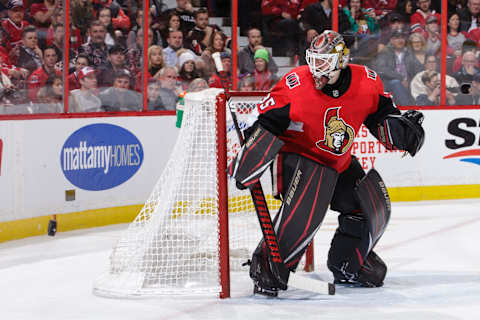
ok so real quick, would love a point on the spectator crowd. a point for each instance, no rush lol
(399, 39)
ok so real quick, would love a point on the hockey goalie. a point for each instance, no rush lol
(305, 131)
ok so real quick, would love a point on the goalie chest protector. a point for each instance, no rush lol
(323, 128)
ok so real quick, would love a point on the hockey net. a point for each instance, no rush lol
(181, 240)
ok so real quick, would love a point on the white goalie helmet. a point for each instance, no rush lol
(327, 53)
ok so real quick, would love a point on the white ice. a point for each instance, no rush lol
(431, 249)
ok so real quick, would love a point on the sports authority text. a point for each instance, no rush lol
(86, 157)
(366, 149)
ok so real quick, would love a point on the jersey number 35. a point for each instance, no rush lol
(267, 102)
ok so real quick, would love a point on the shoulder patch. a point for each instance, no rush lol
(292, 80)
(370, 73)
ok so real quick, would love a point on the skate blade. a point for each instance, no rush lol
(264, 292)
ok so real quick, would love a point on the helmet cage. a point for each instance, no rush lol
(327, 53)
(321, 64)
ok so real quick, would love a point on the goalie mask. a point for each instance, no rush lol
(326, 56)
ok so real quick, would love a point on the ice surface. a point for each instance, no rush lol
(431, 249)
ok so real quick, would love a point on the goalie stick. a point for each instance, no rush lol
(271, 241)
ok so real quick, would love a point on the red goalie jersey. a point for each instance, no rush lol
(321, 124)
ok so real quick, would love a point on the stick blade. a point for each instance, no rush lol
(312, 285)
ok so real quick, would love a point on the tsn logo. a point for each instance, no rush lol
(467, 136)
(464, 138)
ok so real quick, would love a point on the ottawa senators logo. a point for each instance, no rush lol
(338, 135)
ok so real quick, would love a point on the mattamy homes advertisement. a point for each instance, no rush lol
(107, 162)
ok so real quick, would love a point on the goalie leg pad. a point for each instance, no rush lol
(372, 195)
(303, 208)
(345, 257)
(254, 158)
(351, 258)
(305, 202)
(304, 205)
(349, 247)
(351, 243)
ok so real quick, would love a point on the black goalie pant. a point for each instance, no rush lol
(306, 188)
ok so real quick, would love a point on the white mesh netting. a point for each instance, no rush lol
(172, 245)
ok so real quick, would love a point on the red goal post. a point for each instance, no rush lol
(196, 228)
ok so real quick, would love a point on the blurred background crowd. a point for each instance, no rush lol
(190, 48)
